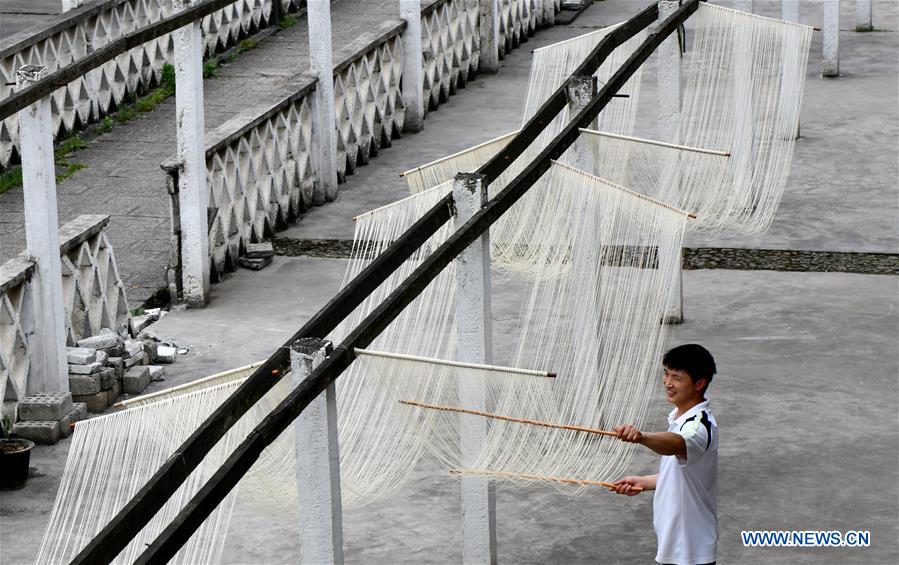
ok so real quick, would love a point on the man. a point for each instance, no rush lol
(684, 506)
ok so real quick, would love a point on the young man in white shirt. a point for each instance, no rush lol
(684, 505)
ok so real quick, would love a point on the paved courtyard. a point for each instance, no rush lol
(807, 397)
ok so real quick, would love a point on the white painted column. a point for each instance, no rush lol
(193, 194)
(669, 125)
(413, 70)
(49, 371)
(489, 32)
(831, 39)
(863, 20)
(580, 91)
(549, 12)
(318, 462)
(474, 344)
(324, 129)
(790, 13)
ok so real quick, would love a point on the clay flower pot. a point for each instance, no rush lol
(15, 454)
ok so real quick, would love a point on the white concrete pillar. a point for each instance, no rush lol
(549, 12)
(474, 344)
(669, 124)
(580, 91)
(324, 129)
(49, 370)
(413, 70)
(193, 194)
(831, 39)
(318, 462)
(489, 32)
(863, 21)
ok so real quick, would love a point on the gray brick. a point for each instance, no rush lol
(140, 359)
(259, 250)
(102, 357)
(102, 341)
(136, 379)
(96, 403)
(80, 355)
(133, 348)
(107, 377)
(254, 264)
(118, 364)
(81, 385)
(81, 407)
(150, 348)
(76, 415)
(48, 406)
(85, 369)
(46, 432)
(114, 392)
(157, 373)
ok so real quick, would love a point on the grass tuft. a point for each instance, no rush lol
(287, 21)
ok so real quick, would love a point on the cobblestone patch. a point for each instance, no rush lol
(729, 258)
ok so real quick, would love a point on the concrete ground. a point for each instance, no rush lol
(807, 396)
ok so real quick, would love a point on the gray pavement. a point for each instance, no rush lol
(807, 396)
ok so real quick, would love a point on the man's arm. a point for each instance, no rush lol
(625, 484)
(663, 443)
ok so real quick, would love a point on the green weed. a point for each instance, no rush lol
(287, 21)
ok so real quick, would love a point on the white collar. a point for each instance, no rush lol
(704, 405)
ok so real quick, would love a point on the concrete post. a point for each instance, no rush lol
(49, 370)
(790, 13)
(413, 71)
(580, 90)
(549, 12)
(474, 344)
(863, 20)
(831, 39)
(193, 194)
(318, 462)
(324, 129)
(489, 32)
(669, 123)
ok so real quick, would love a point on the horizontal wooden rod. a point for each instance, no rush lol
(186, 386)
(655, 142)
(509, 418)
(528, 476)
(450, 363)
(626, 190)
(458, 153)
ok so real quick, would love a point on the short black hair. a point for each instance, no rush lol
(693, 359)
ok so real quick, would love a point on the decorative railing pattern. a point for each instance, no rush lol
(93, 294)
(259, 168)
(101, 91)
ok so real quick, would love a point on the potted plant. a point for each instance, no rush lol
(15, 454)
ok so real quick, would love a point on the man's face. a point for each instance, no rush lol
(679, 387)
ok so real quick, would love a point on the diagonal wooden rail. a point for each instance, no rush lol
(235, 467)
(116, 535)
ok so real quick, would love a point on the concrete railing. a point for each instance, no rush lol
(77, 33)
(94, 298)
(260, 171)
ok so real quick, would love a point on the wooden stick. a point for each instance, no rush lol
(223, 377)
(659, 143)
(579, 482)
(509, 418)
(436, 361)
(456, 154)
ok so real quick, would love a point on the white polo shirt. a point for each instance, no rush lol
(684, 503)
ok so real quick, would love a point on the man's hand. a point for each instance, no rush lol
(625, 485)
(628, 433)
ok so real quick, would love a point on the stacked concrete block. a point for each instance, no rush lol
(42, 416)
(258, 256)
(136, 379)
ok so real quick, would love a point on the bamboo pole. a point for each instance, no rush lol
(529, 477)
(509, 418)
(464, 365)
